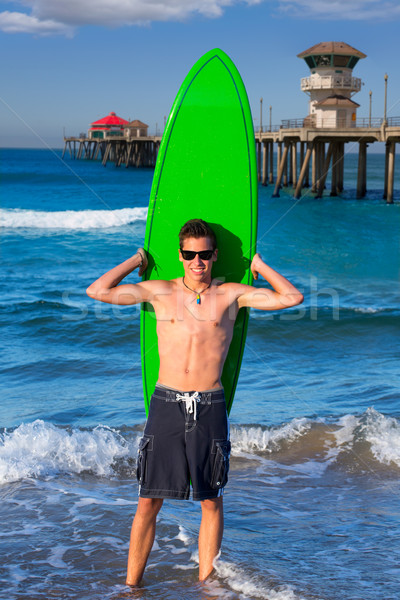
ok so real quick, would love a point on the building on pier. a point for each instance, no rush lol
(108, 126)
(331, 84)
(136, 129)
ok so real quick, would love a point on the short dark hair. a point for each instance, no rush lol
(197, 228)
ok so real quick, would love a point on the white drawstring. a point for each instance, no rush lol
(190, 401)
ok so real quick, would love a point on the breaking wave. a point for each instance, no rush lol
(71, 219)
(41, 449)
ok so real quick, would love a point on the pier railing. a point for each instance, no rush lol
(328, 123)
(267, 128)
(328, 82)
(295, 123)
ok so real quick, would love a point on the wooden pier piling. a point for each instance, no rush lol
(304, 169)
(362, 170)
(271, 162)
(281, 169)
(323, 171)
(294, 164)
(334, 173)
(314, 169)
(390, 174)
(265, 163)
(289, 166)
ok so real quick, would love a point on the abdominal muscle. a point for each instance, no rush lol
(190, 360)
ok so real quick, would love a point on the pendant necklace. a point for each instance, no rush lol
(198, 299)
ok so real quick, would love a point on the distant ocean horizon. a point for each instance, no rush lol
(311, 507)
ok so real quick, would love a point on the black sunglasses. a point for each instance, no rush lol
(203, 254)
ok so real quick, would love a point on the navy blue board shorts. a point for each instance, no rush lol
(186, 440)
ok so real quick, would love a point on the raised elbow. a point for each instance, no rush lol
(296, 299)
(91, 292)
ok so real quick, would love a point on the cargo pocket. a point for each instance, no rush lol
(221, 449)
(145, 446)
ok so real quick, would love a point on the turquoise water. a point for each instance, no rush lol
(312, 502)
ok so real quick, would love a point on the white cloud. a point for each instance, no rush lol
(15, 22)
(53, 17)
(125, 12)
(354, 10)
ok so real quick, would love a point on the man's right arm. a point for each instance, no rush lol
(106, 288)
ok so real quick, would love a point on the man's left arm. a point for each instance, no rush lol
(283, 295)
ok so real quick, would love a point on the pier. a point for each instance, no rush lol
(301, 149)
(294, 154)
(115, 139)
(130, 151)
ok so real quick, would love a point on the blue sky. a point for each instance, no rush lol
(66, 64)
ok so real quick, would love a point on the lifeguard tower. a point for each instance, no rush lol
(331, 84)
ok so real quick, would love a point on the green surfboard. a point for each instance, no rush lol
(206, 169)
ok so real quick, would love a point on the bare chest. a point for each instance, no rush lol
(209, 314)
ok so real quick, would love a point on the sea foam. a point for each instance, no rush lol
(380, 432)
(71, 219)
(242, 582)
(40, 449)
(371, 433)
(258, 439)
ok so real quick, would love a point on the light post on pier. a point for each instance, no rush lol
(261, 101)
(384, 114)
(270, 117)
(370, 107)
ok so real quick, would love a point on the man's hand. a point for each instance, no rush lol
(145, 262)
(283, 294)
(255, 265)
(107, 289)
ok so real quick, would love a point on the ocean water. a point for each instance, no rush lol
(312, 506)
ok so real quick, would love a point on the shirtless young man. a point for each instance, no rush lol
(186, 436)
